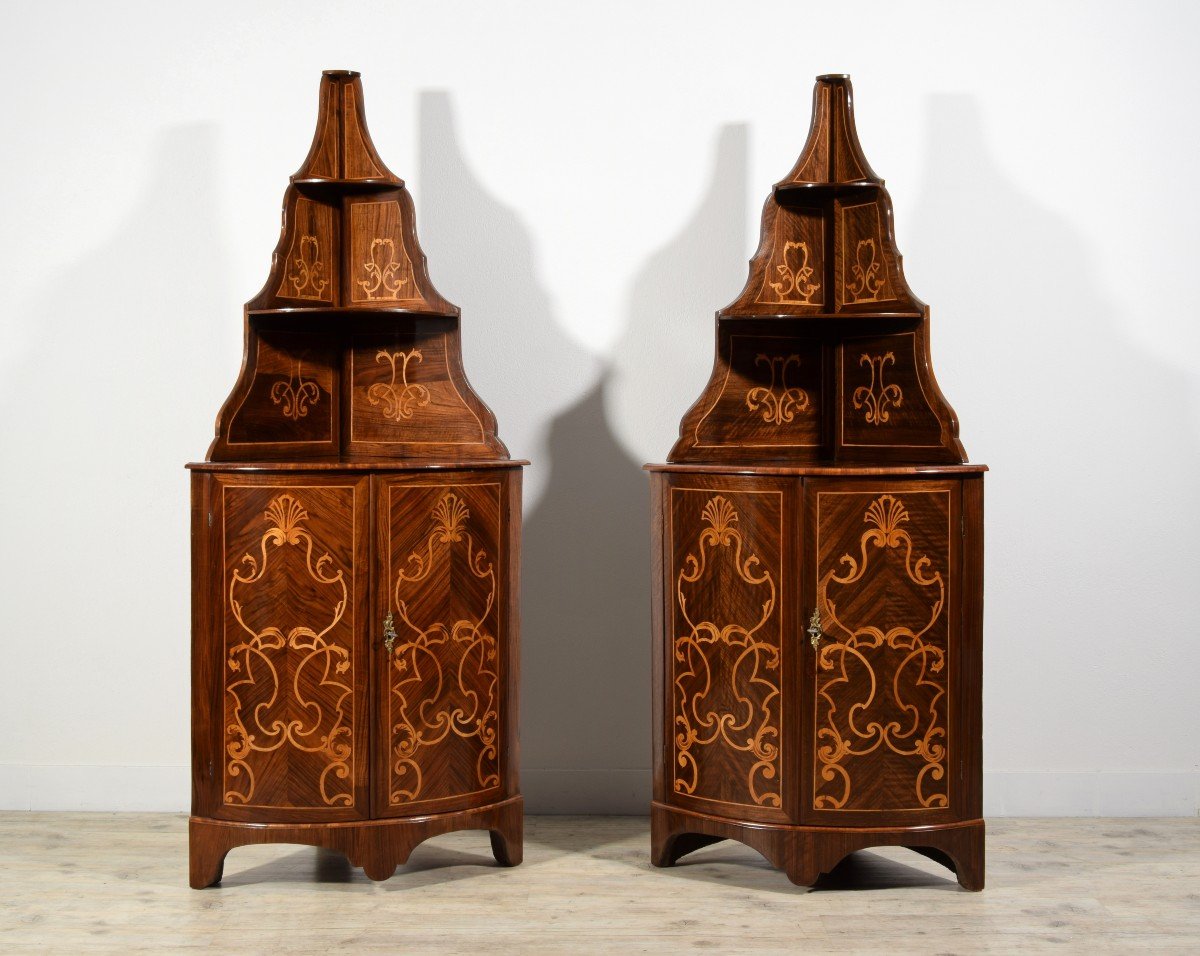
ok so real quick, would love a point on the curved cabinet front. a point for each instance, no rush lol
(354, 658)
(817, 660)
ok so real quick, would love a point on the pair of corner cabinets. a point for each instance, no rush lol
(817, 569)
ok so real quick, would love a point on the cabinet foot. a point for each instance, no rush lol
(805, 853)
(508, 836)
(378, 846)
(206, 858)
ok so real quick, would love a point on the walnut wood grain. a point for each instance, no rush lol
(350, 351)
(824, 356)
(378, 846)
(805, 853)
(355, 475)
(818, 554)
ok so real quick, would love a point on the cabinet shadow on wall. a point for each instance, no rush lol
(585, 604)
(1062, 394)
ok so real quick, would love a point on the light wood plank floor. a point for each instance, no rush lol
(89, 882)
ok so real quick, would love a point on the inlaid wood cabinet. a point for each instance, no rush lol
(818, 554)
(355, 547)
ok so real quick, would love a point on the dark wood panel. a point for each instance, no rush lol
(770, 398)
(444, 590)
(887, 587)
(727, 657)
(403, 394)
(292, 396)
(293, 670)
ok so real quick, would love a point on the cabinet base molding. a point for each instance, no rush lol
(378, 846)
(804, 853)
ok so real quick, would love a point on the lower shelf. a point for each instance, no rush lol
(804, 853)
(378, 846)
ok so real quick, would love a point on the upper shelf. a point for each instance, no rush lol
(349, 238)
(827, 249)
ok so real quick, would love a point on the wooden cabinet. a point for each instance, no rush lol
(355, 544)
(818, 555)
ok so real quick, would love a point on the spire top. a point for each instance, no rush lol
(342, 150)
(832, 154)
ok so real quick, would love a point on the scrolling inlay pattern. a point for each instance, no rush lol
(867, 280)
(307, 277)
(433, 696)
(398, 400)
(871, 716)
(794, 274)
(876, 397)
(751, 725)
(381, 281)
(295, 393)
(292, 713)
(782, 407)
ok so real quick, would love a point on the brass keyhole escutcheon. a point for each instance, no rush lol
(389, 633)
(814, 628)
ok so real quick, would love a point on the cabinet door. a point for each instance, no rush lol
(884, 559)
(443, 600)
(724, 658)
(282, 674)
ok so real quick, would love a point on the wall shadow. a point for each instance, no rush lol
(108, 397)
(1069, 413)
(665, 357)
(524, 366)
(585, 724)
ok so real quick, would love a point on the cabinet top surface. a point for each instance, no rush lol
(848, 471)
(391, 465)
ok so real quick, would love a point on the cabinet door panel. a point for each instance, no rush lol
(885, 560)
(725, 651)
(443, 685)
(292, 674)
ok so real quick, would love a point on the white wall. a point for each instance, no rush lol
(588, 182)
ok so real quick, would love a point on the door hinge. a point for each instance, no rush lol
(210, 519)
(210, 770)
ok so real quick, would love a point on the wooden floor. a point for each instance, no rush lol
(88, 882)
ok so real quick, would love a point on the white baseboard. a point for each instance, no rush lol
(1007, 793)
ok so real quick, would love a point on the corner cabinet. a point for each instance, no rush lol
(355, 548)
(818, 555)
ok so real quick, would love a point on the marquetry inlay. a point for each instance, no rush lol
(288, 685)
(875, 397)
(445, 677)
(881, 683)
(726, 683)
(295, 393)
(777, 402)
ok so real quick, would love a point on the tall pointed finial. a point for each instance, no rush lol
(342, 150)
(832, 154)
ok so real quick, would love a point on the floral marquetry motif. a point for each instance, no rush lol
(777, 406)
(295, 393)
(881, 709)
(384, 273)
(398, 398)
(875, 398)
(818, 553)
(355, 546)
(795, 283)
(289, 669)
(726, 653)
(443, 693)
